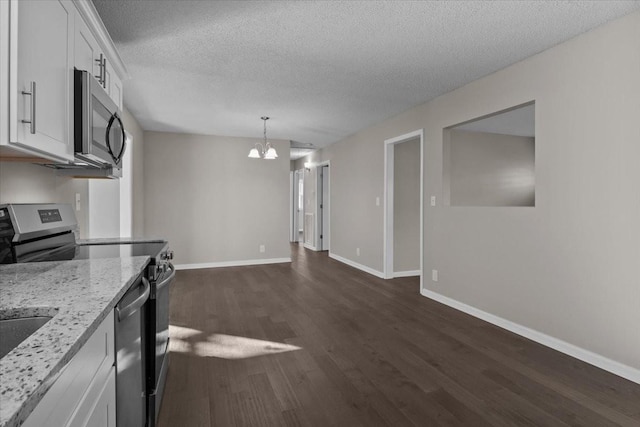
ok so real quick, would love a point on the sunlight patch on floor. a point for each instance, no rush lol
(187, 340)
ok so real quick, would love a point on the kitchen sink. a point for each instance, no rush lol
(14, 331)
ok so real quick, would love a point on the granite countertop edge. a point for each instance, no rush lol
(29, 370)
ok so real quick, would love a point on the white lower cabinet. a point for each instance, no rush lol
(84, 394)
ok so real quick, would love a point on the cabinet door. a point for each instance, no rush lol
(86, 49)
(115, 86)
(41, 57)
(103, 414)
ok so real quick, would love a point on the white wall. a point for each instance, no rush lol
(104, 208)
(406, 206)
(131, 193)
(137, 173)
(27, 183)
(99, 214)
(568, 266)
(213, 203)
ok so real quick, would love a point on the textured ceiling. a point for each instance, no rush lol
(321, 70)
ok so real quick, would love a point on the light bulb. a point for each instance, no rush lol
(271, 154)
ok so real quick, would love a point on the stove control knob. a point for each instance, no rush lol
(168, 255)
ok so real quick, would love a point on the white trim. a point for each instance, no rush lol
(292, 203)
(238, 263)
(4, 71)
(308, 246)
(622, 370)
(356, 265)
(408, 273)
(387, 225)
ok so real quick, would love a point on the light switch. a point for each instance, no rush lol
(78, 202)
(377, 201)
(433, 200)
(434, 275)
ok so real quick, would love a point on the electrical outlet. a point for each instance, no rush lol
(434, 275)
(78, 202)
(433, 200)
(358, 251)
(262, 249)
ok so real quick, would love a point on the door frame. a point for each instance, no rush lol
(295, 176)
(292, 197)
(318, 219)
(389, 145)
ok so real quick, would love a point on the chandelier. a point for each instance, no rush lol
(264, 150)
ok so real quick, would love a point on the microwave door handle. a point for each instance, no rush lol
(115, 158)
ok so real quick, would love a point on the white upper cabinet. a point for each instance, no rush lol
(115, 85)
(41, 41)
(40, 77)
(90, 56)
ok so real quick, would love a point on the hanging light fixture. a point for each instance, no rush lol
(264, 150)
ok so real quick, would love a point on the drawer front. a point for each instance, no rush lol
(90, 365)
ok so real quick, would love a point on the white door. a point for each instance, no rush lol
(300, 206)
(324, 208)
(293, 207)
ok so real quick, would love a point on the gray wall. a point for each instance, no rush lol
(488, 169)
(406, 206)
(568, 266)
(212, 202)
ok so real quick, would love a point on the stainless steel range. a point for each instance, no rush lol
(45, 232)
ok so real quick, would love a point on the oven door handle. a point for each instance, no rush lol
(127, 311)
(166, 281)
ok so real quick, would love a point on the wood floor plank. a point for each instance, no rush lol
(318, 343)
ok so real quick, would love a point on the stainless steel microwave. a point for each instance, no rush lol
(99, 136)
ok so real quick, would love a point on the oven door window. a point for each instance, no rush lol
(111, 144)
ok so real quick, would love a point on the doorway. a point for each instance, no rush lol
(323, 208)
(297, 206)
(407, 225)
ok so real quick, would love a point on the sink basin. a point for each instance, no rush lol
(14, 331)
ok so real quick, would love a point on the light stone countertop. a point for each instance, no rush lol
(79, 294)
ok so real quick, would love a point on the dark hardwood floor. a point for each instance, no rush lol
(318, 343)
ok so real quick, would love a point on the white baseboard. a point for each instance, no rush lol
(408, 273)
(308, 246)
(231, 263)
(356, 265)
(602, 362)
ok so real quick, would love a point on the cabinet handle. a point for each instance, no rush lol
(32, 94)
(100, 62)
(104, 73)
